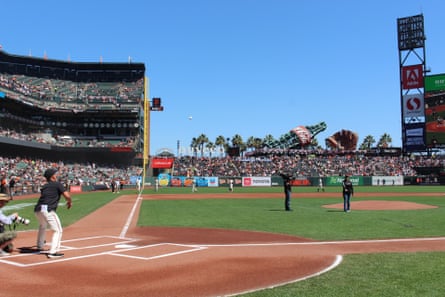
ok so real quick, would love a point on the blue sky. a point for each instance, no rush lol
(247, 67)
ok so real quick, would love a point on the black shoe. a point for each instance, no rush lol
(41, 251)
(288, 209)
(55, 255)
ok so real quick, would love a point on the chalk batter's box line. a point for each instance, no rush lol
(115, 253)
(190, 248)
(120, 240)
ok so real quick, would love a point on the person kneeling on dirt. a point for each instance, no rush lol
(6, 237)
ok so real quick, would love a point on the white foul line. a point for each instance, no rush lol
(130, 217)
(338, 260)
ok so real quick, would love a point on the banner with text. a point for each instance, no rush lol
(337, 180)
(387, 180)
(257, 181)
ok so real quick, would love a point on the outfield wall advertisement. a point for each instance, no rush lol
(165, 180)
(387, 180)
(257, 181)
(337, 180)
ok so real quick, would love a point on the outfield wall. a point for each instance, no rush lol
(251, 181)
(165, 180)
(275, 181)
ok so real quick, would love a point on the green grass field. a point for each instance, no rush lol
(387, 274)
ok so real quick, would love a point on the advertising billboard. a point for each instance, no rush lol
(435, 82)
(414, 137)
(413, 108)
(435, 110)
(412, 77)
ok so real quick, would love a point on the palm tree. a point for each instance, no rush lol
(211, 147)
(385, 140)
(237, 140)
(194, 145)
(221, 143)
(250, 142)
(202, 140)
(367, 143)
(254, 143)
(258, 143)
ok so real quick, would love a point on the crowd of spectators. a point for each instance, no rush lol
(68, 141)
(28, 174)
(32, 137)
(71, 95)
(308, 165)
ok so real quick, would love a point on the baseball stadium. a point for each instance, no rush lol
(192, 226)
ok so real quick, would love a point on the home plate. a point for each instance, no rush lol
(124, 246)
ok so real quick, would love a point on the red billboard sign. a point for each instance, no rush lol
(412, 77)
(75, 189)
(162, 162)
(120, 149)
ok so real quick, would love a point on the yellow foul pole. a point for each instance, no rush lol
(146, 128)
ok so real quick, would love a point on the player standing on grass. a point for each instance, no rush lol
(194, 189)
(348, 192)
(287, 184)
(138, 183)
(231, 185)
(320, 185)
(45, 211)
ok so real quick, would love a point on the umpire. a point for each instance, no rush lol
(287, 183)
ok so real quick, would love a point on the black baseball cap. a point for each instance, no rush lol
(49, 172)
